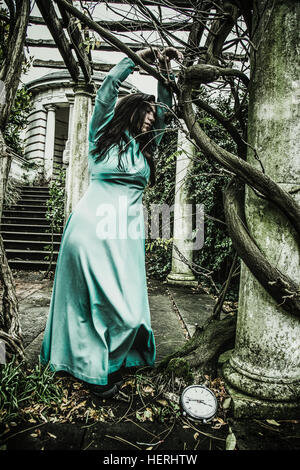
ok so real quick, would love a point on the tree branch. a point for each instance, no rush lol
(78, 45)
(110, 38)
(283, 289)
(255, 178)
(48, 12)
(230, 128)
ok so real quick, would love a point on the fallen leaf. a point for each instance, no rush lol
(230, 441)
(31, 420)
(147, 389)
(272, 421)
(162, 402)
(52, 435)
(226, 403)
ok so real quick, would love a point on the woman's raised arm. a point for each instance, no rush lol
(107, 95)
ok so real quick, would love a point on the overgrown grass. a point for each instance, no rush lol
(21, 387)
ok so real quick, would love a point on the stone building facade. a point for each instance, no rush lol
(48, 138)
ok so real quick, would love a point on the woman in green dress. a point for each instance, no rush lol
(99, 318)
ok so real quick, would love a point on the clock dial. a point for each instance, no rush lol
(199, 402)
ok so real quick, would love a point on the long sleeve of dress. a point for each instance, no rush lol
(107, 96)
(164, 102)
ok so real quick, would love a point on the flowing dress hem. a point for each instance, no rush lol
(92, 380)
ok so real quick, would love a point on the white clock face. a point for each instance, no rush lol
(199, 402)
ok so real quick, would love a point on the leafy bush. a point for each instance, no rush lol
(18, 120)
(56, 201)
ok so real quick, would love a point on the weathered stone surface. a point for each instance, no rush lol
(77, 172)
(168, 333)
(194, 307)
(266, 360)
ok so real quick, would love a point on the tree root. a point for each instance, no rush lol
(201, 352)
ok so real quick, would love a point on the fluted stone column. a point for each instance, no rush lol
(78, 178)
(49, 142)
(263, 373)
(181, 273)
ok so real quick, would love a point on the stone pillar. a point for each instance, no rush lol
(78, 178)
(181, 273)
(66, 153)
(49, 142)
(263, 373)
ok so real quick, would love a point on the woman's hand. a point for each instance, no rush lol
(164, 57)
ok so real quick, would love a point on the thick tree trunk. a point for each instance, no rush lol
(10, 331)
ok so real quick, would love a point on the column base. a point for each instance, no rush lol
(182, 279)
(246, 406)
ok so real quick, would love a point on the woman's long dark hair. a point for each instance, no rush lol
(128, 115)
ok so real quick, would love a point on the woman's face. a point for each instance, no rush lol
(149, 118)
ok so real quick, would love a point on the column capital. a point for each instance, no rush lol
(50, 107)
(83, 88)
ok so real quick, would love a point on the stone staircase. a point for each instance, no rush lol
(24, 231)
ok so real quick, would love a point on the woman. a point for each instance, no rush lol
(99, 319)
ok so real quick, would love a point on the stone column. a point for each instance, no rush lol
(181, 273)
(78, 178)
(263, 373)
(66, 153)
(49, 142)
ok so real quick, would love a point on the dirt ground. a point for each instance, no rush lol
(145, 417)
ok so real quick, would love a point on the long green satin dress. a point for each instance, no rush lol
(99, 316)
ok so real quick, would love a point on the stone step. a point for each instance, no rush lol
(27, 207)
(35, 195)
(34, 236)
(35, 188)
(24, 213)
(34, 198)
(31, 202)
(34, 255)
(31, 265)
(24, 220)
(30, 244)
(29, 192)
(15, 227)
(26, 232)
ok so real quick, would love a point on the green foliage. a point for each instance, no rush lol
(55, 213)
(18, 120)
(56, 203)
(38, 179)
(21, 387)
